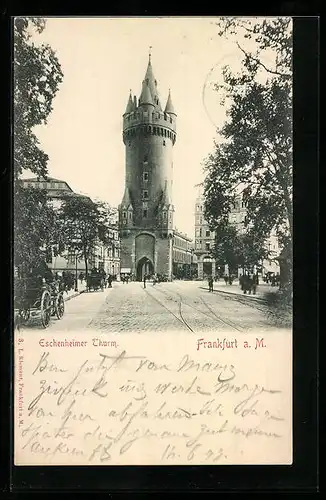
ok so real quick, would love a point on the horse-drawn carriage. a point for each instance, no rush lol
(37, 300)
(95, 281)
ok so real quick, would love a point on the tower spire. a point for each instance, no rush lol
(169, 108)
(130, 104)
(151, 81)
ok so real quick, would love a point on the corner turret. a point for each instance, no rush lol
(126, 210)
(169, 108)
(130, 105)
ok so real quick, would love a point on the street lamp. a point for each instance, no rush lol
(76, 277)
(74, 243)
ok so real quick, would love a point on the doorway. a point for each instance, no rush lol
(207, 268)
(144, 266)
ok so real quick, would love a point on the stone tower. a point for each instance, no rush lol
(146, 210)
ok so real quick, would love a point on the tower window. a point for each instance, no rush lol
(124, 215)
(165, 117)
(145, 176)
(208, 233)
(207, 245)
(163, 142)
(130, 215)
(145, 214)
(145, 158)
(164, 214)
(145, 194)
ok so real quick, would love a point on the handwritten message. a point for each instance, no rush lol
(153, 399)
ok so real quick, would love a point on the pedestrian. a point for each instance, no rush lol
(127, 279)
(210, 284)
(230, 279)
(254, 283)
(110, 281)
(145, 277)
(123, 279)
(226, 279)
(154, 279)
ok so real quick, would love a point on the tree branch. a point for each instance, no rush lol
(250, 56)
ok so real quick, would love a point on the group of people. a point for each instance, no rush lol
(107, 278)
(249, 282)
(125, 278)
(156, 278)
(272, 278)
(228, 279)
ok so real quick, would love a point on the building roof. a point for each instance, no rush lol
(152, 84)
(182, 235)
(165, 200)
(130, 105)
(146, 96)
(169, 108)
(126, 200)
(48, 179)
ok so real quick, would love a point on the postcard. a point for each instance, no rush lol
(152, 241)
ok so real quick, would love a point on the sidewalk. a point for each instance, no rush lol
(235, 289)
(72, 294)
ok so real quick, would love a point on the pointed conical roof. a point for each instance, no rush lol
(126, 201)
(152, 84)
(130, 104)
(150, 78)
(169, 108)
(165, 201)
(146, 96)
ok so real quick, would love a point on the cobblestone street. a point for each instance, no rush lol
(177, 306)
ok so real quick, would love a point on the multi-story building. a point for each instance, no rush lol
(204, 242)
(205, 239)
(182, 255)
(146, 210)
(56, 189)
(106, 256)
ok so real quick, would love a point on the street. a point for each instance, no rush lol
(177, 306)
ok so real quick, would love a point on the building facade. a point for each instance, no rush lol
(204, 242)
(105, 256)
(205, 239)
(146, 210)
(182, 255)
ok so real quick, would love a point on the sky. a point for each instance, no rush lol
(102, 59)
